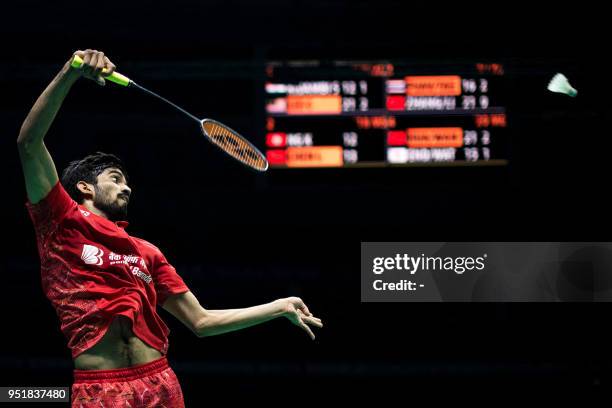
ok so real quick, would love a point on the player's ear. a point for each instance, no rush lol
(86, 189)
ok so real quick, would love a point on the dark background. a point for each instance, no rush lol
(240, 238)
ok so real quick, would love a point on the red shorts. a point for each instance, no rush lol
(152, 384)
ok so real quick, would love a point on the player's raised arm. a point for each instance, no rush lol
(38, 167)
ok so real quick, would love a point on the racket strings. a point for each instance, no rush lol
(234, 145)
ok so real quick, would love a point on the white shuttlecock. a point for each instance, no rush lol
(560, 84)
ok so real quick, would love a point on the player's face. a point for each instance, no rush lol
(112, 194)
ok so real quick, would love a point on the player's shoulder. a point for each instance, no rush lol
(145, 244)
(56, 206)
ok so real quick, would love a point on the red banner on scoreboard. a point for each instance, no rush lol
(314, 104)
(276, 157)
(396, 138)
(396, 102)
(315, 156)
(435, 137)
(444, 85)
(276, 139)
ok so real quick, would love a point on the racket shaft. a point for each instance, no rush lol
(145, 90)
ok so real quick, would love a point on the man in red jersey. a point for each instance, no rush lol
(105, 284)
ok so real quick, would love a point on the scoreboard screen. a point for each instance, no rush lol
(379, 114)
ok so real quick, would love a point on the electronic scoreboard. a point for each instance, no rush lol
(379, 114)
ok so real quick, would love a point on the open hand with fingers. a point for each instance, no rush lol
(94, 62)
(296, 311)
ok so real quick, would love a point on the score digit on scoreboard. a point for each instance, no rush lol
(356, 114)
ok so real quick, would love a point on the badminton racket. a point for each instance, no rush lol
(222, 136)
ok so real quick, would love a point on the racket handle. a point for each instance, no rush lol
(114, 77)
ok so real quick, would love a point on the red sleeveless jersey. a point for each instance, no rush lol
(92, 270)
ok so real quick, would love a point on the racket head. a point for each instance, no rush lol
(234, 144)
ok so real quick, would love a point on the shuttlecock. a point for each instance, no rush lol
(560, 84)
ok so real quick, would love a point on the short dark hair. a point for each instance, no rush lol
(87, 170)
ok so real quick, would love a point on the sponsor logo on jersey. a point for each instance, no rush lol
(92, 255)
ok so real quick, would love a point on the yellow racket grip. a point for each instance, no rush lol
(114, 77)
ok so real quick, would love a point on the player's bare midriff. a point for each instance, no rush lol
(118, 348)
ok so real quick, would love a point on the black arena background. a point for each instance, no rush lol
(240, 238)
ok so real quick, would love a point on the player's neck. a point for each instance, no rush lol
(89, 205)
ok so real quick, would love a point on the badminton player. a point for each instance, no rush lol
(104, 283)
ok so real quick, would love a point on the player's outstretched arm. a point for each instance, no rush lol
(202, 322)
(38, 167)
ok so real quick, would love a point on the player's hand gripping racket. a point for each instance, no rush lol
(228, 140)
